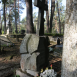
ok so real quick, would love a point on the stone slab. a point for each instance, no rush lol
(59, 46)
(23, 46)
(5, 42)
(33, 73)
(29, 43)
(28, 61)
(33, 43)
(22, 74)
(4, 38)
(34, 52)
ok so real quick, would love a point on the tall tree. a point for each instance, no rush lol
(69, 56)
(58, 9)
(52, 13)
(15, 16)
(4, 2)
(18, 17)
(47, 17)
(29, 26)
(0, 18)
(0, 23)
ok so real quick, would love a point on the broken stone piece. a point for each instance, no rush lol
(29, 43)
(28, 62)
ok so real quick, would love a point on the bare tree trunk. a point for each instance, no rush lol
(29, 26)
(18, 18)
(52, 13)
(0, 18)
(69, 56)
(0, 22)
(47, 18)
(4, 19)
(15, 16)
(56, 26)
(59, 18)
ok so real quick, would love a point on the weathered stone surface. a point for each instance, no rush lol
(23, 46)
(4, 38)
(28, 61)
(33, 43)
(34, 73)
(21, 74)
(34, 52)
(23, 62)
(5, 42)
(29, 43)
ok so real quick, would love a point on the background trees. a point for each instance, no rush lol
(14, 13)
(29, 26)
(69, 61)
(52, 17)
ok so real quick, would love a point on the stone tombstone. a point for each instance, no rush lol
(22, 31)
(34, 48)
(34, 53)
(0, 31)
(58, 41)
(5, 42)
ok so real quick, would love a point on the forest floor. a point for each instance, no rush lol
(10, 60)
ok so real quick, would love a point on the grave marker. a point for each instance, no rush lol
(34, 48)
(42, 6)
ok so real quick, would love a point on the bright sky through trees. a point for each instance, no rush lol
(36, 10)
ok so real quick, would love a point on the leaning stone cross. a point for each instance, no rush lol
(42, 6)
(34, 48)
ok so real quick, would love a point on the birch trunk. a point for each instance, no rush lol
(69, 56)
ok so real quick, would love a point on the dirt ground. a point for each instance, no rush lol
(10, 60)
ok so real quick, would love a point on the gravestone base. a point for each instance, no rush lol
(22, 74)
(34, 54)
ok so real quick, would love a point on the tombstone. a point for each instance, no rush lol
(4, 42)
(58, 41)
(34, 49)
(42, 6)
(22, 31)
(0, 31)
(34, 53)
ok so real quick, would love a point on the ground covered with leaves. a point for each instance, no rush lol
(10, 59)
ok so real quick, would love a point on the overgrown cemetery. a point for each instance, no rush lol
(43, 43)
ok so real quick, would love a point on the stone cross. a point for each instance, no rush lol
(42, 6)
